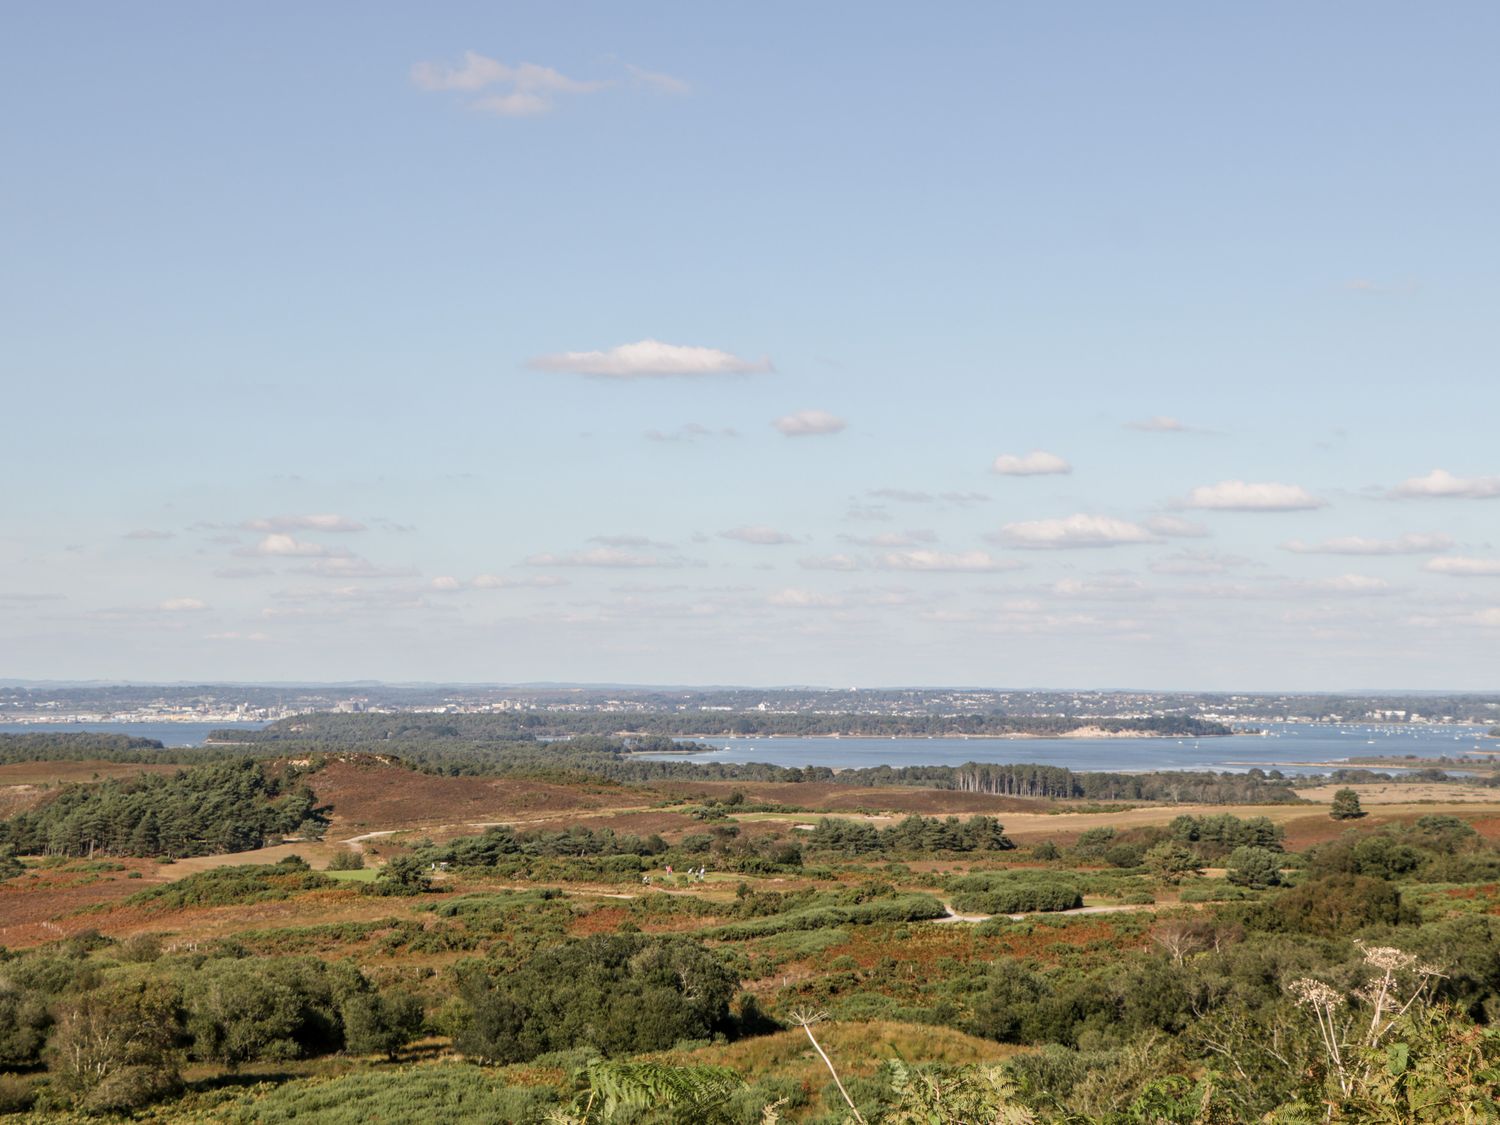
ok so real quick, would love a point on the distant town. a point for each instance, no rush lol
(44, 703)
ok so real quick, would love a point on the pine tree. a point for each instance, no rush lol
(1346, 805)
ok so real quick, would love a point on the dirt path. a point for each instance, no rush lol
(1123, 908)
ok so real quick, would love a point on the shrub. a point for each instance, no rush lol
(616, 994)
(1024, 898)
(347, 859)
(1254, 867)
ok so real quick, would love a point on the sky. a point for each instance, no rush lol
(852, 344)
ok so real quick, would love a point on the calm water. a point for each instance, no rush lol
(168, 734)
(1289, 747)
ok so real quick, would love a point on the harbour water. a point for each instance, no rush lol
(1290, 747)
(168, 734)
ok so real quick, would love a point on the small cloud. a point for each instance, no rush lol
(1462, 567)
(1412, 544)
(650, 359)
(523, 91)
(148, 533)
(626, 541)
(1244, 496)
(612, 558)
(183, 605)
(965, 562)
(807, 423)
(446, 583)
(286, 546)
(1175, 527)
(1102, 589)
(321, 522)
(690, 431)
(1076, 531)
(911, 538)
(661, 83)
(759, 534)
(796, 598)
(243, 572)
(1440, 484)
(1356, 585)
(917, 496)
(1034, 464)
(830, 562)
(1160, 424)
(504, 582)
(349, 566)
(1197, 563)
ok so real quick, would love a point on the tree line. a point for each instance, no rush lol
(231, 805)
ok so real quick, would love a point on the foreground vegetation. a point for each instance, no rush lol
(707, 955)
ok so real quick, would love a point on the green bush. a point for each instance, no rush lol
(1024, 898)
(617, 994)
(897, 908)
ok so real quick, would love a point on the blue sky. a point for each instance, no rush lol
(708, 343)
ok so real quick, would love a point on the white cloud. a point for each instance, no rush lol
(1076, 531)
(1357, 585)
(1464, 567)
(1103, 589)
(243, 571)
(916, 496)
(759, 534)
(650, 359)
(148, 533)
(523, 91)
(1490, 618)
(183, 605)
(797, 598)
(1196, 563)
(807, 423)
(321, 522)
(626, 541)
(653, 80)
(279, 545)
(504, 582)
(1411, 544)
(350, 566)
(909, 538)
(446, 583)
(690, 431)
(965, 562)
(1244, 496)
(1034, 464)
(830, 562)
(606, 557)
(1160, 424)
(1175, 527)
(1442, 484)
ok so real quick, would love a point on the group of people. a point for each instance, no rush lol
(697, 874)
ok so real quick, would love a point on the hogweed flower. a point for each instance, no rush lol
(1306, 990)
